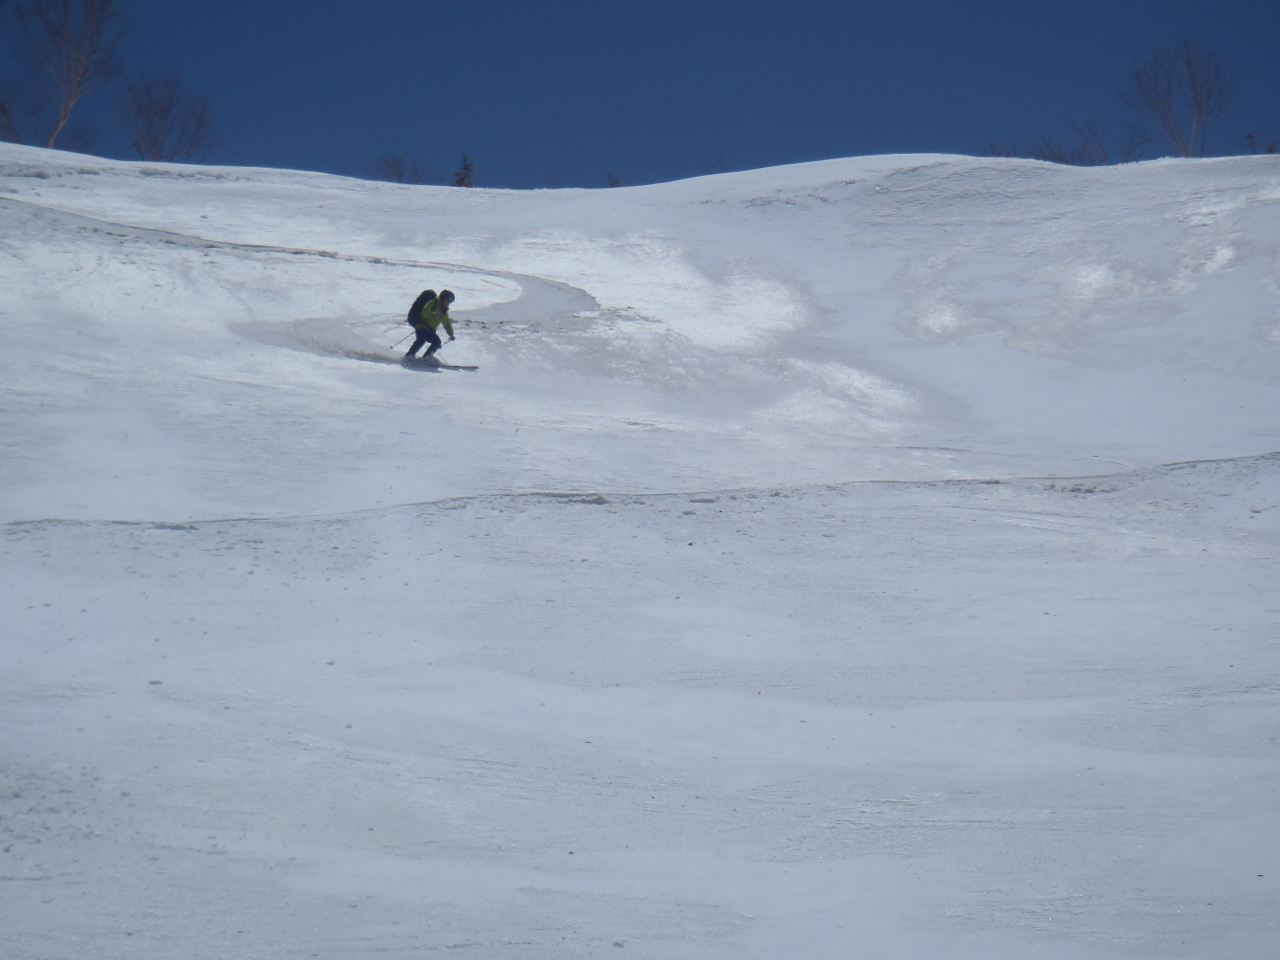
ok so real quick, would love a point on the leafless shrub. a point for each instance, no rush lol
(1090, 145)
(718, 164)
(165, 120)
(1252, 141)
(397, 168)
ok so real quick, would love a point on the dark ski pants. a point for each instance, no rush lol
(425, 335)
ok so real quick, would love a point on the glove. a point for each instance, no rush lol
(451, 339)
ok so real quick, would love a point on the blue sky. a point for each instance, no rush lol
(565, 92)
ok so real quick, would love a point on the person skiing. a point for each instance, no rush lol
(427, 315)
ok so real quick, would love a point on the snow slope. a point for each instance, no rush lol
(874, 557)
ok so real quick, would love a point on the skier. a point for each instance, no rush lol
(427, 314)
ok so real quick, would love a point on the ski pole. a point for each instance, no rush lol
(400, 341)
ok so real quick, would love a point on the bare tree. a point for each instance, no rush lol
(165, 120)
(9, 125)
(1183, 90)
(71, 47)
(398, 169)
(465, 177)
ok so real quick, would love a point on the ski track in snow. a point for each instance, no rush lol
(870, 558)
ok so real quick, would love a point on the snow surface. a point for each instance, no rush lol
(871, 558)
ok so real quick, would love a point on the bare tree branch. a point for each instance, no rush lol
(165, 120)
(1183, 90)
(71, 45)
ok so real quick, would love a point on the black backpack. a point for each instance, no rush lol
(415, 312)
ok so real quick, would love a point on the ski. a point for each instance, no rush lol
(431, 363)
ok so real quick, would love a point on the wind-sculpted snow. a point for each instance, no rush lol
(685, 723)
(874, 558)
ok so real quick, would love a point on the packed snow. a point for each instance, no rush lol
(869, 558)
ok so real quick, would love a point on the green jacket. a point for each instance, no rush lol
(433, 317)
